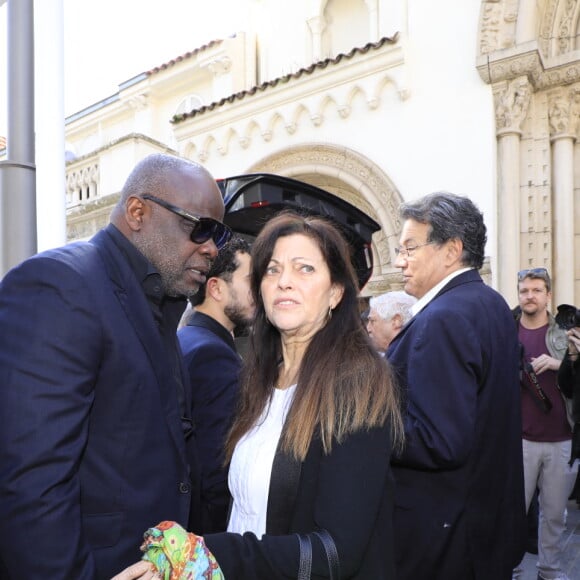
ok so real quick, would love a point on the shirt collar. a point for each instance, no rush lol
(144, 271)
(420, 304)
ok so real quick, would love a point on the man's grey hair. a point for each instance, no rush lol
(451, 217)
(390, 303)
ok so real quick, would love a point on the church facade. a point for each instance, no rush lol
(379, 102)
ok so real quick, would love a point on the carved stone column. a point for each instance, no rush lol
(563, 111)
(511, 106)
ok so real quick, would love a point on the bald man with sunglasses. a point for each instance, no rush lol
(95, 434)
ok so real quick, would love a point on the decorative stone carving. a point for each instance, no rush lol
(490, 26)
(380, 200)
(575, 110)
(344, 111)
(566, 28)
(564, 113)
(338, 87)
(381, 243)
(493, 69)
(82, 184)
(317, 24)
(511, 10)
(138, 102)
(547, 26)
(220, 66)
(511, 105)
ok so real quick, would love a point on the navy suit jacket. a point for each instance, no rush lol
(459, 509)
(92, 449)
(214, 367)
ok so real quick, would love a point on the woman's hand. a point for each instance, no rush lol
(141, 571)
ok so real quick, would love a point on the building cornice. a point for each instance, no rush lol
(527, 60)
(138, 137)
(323, 69)
(328, 92)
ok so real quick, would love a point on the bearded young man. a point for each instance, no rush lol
(223, 305)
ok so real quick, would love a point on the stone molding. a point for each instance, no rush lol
(137, 137)
(82, 222)
(287, 108)
(84, 178)
(543, 73)
(557, 25)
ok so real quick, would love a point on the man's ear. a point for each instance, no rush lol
(135, 211)
(397, 321)
(454, 250)
(214, 288)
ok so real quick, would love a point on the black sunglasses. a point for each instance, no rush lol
(533, 273)
(204, 228)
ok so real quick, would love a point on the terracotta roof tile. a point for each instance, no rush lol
(182, 57)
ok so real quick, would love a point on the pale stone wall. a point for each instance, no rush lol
(528, 53)
(476, 98)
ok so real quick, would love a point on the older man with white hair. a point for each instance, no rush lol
(388, 313)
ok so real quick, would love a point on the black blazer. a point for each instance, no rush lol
(348, 492)
(92, 450)
(459, 482)
(214, 367)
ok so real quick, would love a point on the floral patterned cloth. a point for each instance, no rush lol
(179, 555)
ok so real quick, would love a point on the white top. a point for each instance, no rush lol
(422, 302)
(251, 466)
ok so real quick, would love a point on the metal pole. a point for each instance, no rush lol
(18, 173)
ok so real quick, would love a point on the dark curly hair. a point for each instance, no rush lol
(223, 266)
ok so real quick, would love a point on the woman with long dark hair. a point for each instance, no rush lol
(318, 418)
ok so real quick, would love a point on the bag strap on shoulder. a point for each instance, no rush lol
(331, 553)
(305, 568)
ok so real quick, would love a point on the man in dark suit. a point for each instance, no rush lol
(93, 410)
(222, 305)
(459, 504)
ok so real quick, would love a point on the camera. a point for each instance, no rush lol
(568, 316)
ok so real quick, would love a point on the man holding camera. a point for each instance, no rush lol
(546, 430)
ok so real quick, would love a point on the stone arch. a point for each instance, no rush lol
(357, 180)
(554, 24)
